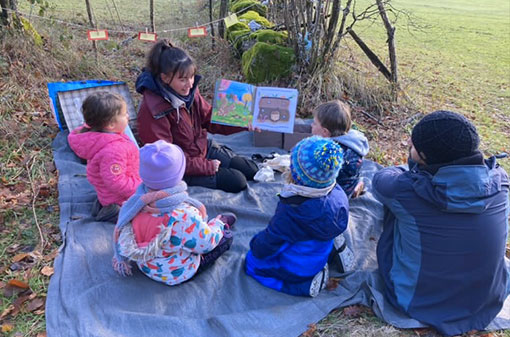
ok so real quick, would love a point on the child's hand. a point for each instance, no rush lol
(203, 212)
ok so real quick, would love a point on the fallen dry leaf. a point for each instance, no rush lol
(7, 327)
(35, 304)
(311, 330)
(7, 311)
(18, 284)
(41, 334)
(47, 271)
(19, 257)
(332, 283)
(39, 312)
(44, 191)
(354, 311)
(2, 284)
(51, 256)
(425, 332)
(10, 290)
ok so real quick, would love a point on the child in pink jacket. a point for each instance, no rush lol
(112, 158)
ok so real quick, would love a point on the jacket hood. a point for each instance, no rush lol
(146, 81)
(354, 140)
(86, 145)
(460, 188)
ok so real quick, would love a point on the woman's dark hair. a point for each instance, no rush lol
(100, 108)
(165, 58)
(334, 116)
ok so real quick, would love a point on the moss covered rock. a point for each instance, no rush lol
(270, 36)
(243, 6)
(252, 15)
(239, 26)
(241, 40)
(265, 62)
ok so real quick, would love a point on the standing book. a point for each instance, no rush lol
(266, 108)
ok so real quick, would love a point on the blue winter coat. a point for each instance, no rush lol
(355, 146)
(296, 244)
(441, 253)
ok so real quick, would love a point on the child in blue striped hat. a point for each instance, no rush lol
(291, 254)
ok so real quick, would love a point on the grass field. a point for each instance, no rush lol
(453, 54)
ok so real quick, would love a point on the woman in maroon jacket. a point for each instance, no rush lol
(172, 109)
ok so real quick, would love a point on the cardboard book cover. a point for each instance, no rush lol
(267, 108)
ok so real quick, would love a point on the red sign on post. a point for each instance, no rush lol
(95, 35)
(197, 31)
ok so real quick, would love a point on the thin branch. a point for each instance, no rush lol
(34, 197)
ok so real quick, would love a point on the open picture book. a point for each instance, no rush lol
(266, 108)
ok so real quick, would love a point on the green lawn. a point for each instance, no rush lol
(455, 55)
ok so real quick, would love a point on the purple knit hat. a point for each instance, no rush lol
(162, 165)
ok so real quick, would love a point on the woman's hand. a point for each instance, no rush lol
(251, 128)
(217, 164)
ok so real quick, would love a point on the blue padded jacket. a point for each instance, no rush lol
(442, 251)
(296, 244)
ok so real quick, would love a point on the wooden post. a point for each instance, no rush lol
(92, 24)
(223, 13)
(212, 25)
(151, 14)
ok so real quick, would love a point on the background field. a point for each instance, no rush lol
(452, 54)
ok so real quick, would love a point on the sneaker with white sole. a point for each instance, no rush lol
(319, 281)
(341, 257)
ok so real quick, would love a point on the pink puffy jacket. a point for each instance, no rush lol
(112, 163)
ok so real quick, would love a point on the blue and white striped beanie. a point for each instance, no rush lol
(315, 162)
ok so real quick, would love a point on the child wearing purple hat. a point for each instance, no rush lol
(162, 229)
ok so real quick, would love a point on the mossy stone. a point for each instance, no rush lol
(237, 27)
(266, 62)
(270, 36)
(241, 40)
(242, 6)
(252, 15)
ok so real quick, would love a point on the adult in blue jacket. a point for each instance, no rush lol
(291, 254)
(442, 251)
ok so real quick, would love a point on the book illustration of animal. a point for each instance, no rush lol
(274, 109)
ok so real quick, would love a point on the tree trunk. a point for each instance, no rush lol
(92, 24)
(223, 13)
(151, 15)
(371, 56)
(4, 19)
(390, 31)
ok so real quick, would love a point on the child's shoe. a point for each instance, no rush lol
(319, 281)
(341, 257)
(228, 219)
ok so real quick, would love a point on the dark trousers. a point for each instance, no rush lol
(233, 173)
(206, 260)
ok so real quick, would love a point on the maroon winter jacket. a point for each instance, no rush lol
(158, 119)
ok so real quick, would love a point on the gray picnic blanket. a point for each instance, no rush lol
(87, 298)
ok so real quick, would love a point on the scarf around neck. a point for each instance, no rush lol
(290, 190)
(161, 201)
(171, 96)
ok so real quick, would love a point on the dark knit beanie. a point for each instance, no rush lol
(445, 136)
